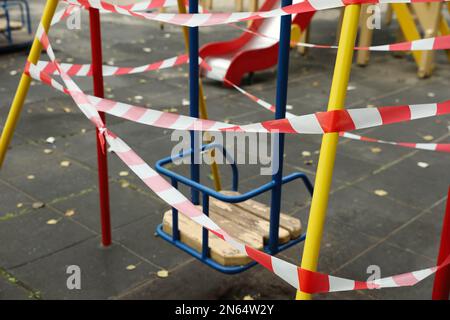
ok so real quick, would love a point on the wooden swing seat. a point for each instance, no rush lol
(246, 221)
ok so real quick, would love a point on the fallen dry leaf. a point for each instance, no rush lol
(185, 102)
(69, 212)
(30, 177)
(48, 151)
(162, 273)
(380, 192)
(50, 140)
(50, 109)
(306, 153)
(65, 163)
(375, 150)
(248, 297)
(131, 267)
(308, 162)
(37, 205)
(147, 49)
(124, 184)
(123, 173)
(428, 137)
(52, 221)
(19, 205)
(423, 164)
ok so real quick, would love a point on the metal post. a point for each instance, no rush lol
(202, 103)
(24, 84)
(278, 139)
(97, 72)
(441, 287)
(319, 204)
(193, 97)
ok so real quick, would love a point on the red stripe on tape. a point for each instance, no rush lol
(335, 120)
(313, 282)
(393, 114)
(261, 257)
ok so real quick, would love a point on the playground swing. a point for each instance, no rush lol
(7, 26)
(270, 230)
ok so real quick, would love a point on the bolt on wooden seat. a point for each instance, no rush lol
(246, 221)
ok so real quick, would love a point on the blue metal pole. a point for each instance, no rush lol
(193, 98)
(278, 139)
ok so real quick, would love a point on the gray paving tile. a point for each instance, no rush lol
(126, 206)
(406, 181)
(140, 237)
(30, 237)
(422, 235)
(370, 214)
(11, 291)
(391, 261)
(104, 272)
(47, 185)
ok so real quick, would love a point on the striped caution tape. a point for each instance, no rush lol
(210, 19)
(433, 43)
(314, 123)
(45, 67)
(84, 70)
(440, 147)
(144, 5)
(301, 279)
(65, 13)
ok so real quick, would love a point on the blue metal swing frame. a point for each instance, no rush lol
(275, 185)
(24, 16)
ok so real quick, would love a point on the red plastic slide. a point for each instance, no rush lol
(249, 52)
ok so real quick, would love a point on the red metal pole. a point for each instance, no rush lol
(97, 71)
(441, 288)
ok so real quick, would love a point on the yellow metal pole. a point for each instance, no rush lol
(24, 84)
(202, 102)
(327, 157)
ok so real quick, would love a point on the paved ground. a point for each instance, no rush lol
(399, 231)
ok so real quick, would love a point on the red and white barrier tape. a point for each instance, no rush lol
(440, 147)
(301, 279)
(210, 19)
(144, 5)
(433, 43)
(314, 123)
(85, 70)
(64, 13)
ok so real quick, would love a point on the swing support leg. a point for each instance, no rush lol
(102, 160)
(328, 149)
(24, 84)
(365, 37)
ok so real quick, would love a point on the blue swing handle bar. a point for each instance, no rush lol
(220, 196)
